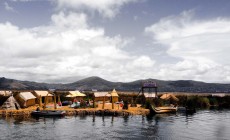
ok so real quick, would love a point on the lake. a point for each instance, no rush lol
(205, 124)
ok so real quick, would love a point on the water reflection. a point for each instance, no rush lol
(205, 124)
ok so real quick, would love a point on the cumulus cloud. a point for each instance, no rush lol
(107, 8)
(202, 47)
(65, 50)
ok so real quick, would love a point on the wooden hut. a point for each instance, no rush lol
(99, 96)
(114, 95)
(25, 99)
(76, 94)
(43, 94)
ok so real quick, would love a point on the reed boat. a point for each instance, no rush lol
(167, 109)
(48, 113)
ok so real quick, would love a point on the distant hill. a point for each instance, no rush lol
(104, 85)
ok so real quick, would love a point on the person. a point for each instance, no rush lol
(121, 103)
(38, 108)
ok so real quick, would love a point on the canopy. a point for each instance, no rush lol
(75, 94)
(169, 96)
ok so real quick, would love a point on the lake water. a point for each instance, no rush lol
(205, 124)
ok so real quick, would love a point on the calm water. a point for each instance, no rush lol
(206, 124)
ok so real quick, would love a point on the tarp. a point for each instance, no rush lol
(42, 93)
(75, 94)
(168, 97)
(114, 93)
(149, 95)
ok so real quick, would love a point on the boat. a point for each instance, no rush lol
(48, 113)
(158, 110)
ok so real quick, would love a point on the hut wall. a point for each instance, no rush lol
(20, 101)
(115, 99)
(101, 99)
(29, 102)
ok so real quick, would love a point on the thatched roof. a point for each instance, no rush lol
(26, 95)
(42, 93)
(75, 94)
(101, 94)
(114, 93)
(5, 93)
(169, 96)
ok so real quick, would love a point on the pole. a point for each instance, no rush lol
(103, 106)
(112, 103)
(55, 103)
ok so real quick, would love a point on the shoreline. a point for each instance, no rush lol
(81, 111)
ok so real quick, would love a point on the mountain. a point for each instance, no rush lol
(104, 85)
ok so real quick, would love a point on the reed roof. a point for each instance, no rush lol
(42, 93)
(101, 94)
(27, 95)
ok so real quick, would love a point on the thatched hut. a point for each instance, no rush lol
(43, 95)
(114, 95)
(10, 104)
(4, 95)
(25, 99)
(76, 94)
(99, 96)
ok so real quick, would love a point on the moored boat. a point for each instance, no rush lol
(157, 110)
(48, 113)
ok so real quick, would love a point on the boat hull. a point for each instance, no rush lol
(158, 110)
(46, 113)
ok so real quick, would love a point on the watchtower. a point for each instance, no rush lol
(148, 90)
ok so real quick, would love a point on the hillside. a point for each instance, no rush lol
(104, 85)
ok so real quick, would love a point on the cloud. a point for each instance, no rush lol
(8, 8)
(202, 47)
(68, 47)
(107, 8)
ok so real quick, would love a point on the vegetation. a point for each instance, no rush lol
(195, 101)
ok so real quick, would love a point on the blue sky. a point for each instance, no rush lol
(119, 40)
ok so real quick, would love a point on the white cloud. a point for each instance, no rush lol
(201, 45)
(8, 8)
(67, 49)
(107, 8)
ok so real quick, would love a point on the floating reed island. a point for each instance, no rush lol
(82, 111)
(21, 103)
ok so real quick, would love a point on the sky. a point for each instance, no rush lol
(62, 41)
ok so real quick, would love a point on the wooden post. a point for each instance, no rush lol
(93, 102)
(44, 107)
(112, 103)
(55, 103)
(40, 101)
(59, 99)
(103, 106)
